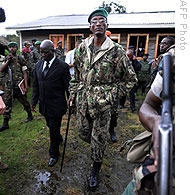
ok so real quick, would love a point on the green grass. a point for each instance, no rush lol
(18, 144)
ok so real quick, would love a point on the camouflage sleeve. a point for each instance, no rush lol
(129, 77)
(22, 62)
(132, 77)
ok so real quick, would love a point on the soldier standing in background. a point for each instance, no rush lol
(15, 69)
(143, 75)
(26, 52)
(35, 56)
(59, 51)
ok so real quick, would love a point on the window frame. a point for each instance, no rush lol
(68, 40)
(136, 46)
(115, 37)
(58, 37)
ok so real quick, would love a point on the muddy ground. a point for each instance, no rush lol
(114, 176)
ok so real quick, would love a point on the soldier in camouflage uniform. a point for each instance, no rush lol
(102, 75)
(143, 181)
(59, 51)
(2, 76)
(35, 55)
(26, 52)
(143, 74)
(15, 69)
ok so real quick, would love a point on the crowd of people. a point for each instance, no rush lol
(96, 77)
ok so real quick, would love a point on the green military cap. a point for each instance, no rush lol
(12, 44)
(37, 43)
(98, 12)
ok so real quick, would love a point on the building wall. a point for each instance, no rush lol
(44, 34)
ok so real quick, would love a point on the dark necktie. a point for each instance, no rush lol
(45, 71)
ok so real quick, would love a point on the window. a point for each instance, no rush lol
(55, 38)
(159, 38)
(138, 43)
(71, 40)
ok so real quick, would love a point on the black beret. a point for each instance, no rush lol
(98, 12)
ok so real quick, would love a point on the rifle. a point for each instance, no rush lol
(165, 150)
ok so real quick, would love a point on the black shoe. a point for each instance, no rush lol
(4, 127)
(93, 181)
(113, 137)
(52, 162)
(30, 118)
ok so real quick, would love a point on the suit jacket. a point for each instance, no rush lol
(50, 91)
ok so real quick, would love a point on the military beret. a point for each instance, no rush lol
(12, 44)
(37, 43)
(98, 12)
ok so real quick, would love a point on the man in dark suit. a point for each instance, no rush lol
(51, 80)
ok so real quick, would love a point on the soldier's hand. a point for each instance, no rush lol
(9, 57)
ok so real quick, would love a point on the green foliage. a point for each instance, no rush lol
(18, 145)
(113, 7)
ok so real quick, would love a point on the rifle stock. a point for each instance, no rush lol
(165, 131)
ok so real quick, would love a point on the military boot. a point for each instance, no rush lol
(5, 125)
(112, 135)
(30, 117)
(93, 179)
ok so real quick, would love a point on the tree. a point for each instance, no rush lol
(113, 7)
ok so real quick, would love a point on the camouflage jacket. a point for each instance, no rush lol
(144, 72)
(35, 57)
(17, 65)
(103, 76)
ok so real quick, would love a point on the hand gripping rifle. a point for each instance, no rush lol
(66, 134)
(165, 150)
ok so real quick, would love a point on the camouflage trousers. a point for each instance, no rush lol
(95, 131)
(9, 98)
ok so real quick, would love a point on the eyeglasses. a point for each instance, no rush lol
(101, 21)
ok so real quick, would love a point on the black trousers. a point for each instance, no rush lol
(132, 96)
(54, 125)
